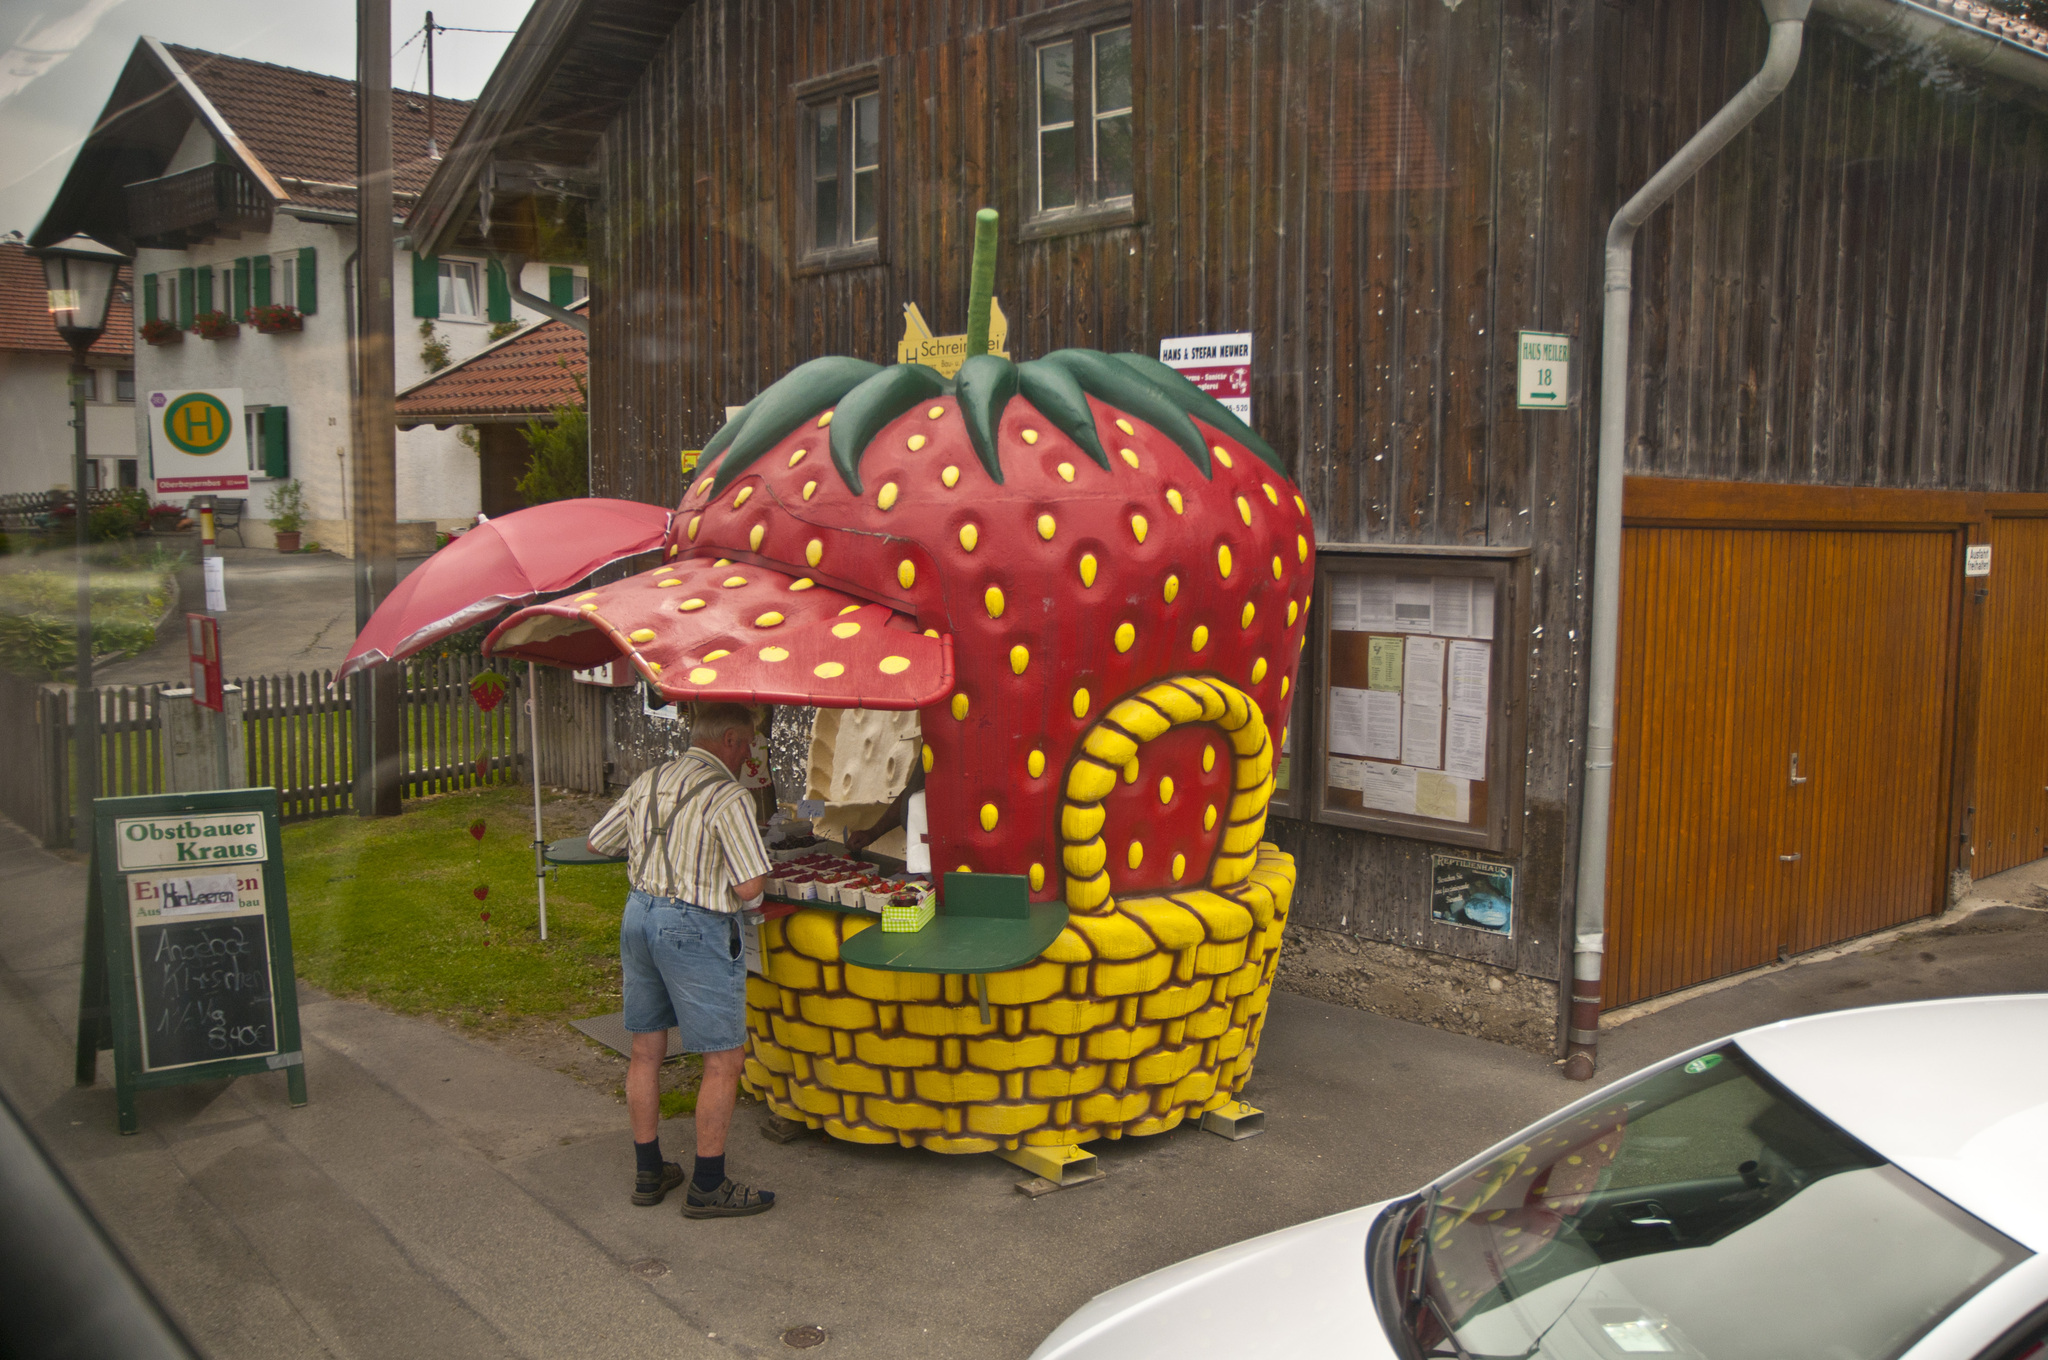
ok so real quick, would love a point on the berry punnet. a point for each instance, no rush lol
(1092, 581)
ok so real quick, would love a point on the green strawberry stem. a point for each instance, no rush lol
(981, 285)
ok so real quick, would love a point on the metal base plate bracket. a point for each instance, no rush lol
(776, 1129)
(1235, 1121)
(1054, 1168)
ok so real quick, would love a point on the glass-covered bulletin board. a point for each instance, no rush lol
(1419, 728)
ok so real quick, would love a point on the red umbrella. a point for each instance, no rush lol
(504, 561)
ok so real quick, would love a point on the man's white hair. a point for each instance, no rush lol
(711, 722)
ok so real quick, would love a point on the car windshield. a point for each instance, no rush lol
(1703, 1211)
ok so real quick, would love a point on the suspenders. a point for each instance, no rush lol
(653, 836)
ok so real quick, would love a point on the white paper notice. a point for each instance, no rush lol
(1443, 797)
(1421, 735)
(1422, 674)
(1382, 724)
(1451, 602)
(1482, 611)
(1469, 665)
(1412, 599)
(1346, 774)
(1348, 721)
(1390, 788)
(1375, 602)
(917, 846)
(1465, 745)
(1344, 593)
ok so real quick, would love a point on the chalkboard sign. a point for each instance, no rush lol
(192, 942)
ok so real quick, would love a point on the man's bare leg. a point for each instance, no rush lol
(643, 1085)
(716, 1096)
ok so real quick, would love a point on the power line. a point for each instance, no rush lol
(443, 28)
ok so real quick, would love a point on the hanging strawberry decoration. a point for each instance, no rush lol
(487, 690)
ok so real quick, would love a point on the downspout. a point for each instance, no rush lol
(1788, 30)
(514, 266)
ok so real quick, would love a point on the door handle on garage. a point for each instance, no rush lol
(1789, 858)
(1797, 778)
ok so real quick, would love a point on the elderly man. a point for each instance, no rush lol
(695, 861)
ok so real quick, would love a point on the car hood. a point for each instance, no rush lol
(1298, 1292)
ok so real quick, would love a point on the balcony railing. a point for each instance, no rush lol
(197, 205)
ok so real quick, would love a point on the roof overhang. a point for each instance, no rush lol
(1937, 32)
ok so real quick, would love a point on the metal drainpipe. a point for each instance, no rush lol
(1788, 30)
(514, 266)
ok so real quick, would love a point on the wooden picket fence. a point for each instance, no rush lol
(297, 739)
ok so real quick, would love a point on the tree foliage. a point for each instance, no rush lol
(559, 469)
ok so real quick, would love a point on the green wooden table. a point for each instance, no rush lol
(573, 850)
(987, 923)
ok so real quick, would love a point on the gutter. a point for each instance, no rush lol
(514, 266)
(1936, 26)
(1788, 32)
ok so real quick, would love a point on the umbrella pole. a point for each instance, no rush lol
(540, 867)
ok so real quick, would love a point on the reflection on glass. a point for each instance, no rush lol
(825, 178)
(867, 160)
(1701, 1212)
(1056, 171)
(1112, 72)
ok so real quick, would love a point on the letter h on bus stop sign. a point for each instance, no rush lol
(202, 645)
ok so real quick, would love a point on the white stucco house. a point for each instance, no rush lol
(35, 394)
(232, 181)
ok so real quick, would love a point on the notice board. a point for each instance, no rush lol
(1419, 720)
(191, 937)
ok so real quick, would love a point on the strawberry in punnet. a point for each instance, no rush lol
(1092, 581)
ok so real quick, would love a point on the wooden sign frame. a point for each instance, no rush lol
(110, 1004)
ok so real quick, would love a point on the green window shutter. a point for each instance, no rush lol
(186, 296)
(259, 289)
(498, 292)
(426, 285)
(149, 297)
(561, 285)
(309, 282)
(241, 287)
(205, 277)
(277, 454)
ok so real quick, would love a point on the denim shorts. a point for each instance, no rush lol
(686, 969)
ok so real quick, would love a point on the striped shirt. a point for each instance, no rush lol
(688, 831)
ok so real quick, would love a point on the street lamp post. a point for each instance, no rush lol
(80, 274)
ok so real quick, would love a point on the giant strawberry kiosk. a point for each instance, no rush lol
(1090, 581)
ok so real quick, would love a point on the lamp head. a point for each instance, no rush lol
(80, 274)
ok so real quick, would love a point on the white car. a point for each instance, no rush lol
(1855, 1186)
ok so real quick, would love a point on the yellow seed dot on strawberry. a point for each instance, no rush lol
(754, 537)
(1244, 510)
(1125, 636)
(1180, 866)
(1166, 789)
(1037, 877)
(1208, 759)
(1124, 425)
(1286, 683)
(1129, 456)
(703, 675)
(809, 487)
(960, 707)
(702, 482)
(1087, 569)
(802, 583)
(925, 757)
(797, 457)
(1138, 527)
(814, 551)
(1080, 703)
(642, 635)
(931, 632)
(935, 412)
(1223, 559)
(587, 595)
(768, 620)
(741, 499)
(1277, 568)
(1135, 855)
(1046, 527)
(992, 600)
(1020, 657)
(1271, 494)
(851, 609)
(906, 573)
(989, 816)
(1301, 546)
(824, 420)
(1172, 588)
(671, 581)
(1209, 817)
(830, 670)
(1029, 436)
(950, 475)
(722, 562)
(1066, 471)
(845, 630)
(886, 497)
(687, 605)
(775, 654)
(1258, 670)
(1035, 763)
(695, 520)
(1174, 499)
(1244, 620)
(1293, 613)
(1300, 505)
(731, 581)
(654, 666)
(893, 665)
(1222, 454)
(969, 536)
(1201, 638)
(718, 655)
(588, 606)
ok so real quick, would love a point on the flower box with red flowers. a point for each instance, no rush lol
(275, 318)
(216, 326)
(160, 332)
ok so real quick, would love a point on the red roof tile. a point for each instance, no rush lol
(303, 125)
(25, 310)
(530, 373)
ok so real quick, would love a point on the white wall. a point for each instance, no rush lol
(307, 372)
(35, 415)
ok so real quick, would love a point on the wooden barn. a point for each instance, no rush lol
(1838, 386)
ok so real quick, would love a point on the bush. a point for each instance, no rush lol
(125, 518)
(560, 467)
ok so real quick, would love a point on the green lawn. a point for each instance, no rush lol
(385, 910)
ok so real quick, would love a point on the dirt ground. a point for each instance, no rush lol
(1430, 989)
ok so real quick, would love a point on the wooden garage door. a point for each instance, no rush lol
(2012, 709)
(1742, 648)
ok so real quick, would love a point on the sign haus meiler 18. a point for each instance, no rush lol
(166, 842)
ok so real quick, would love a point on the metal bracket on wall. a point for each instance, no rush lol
(1235, 1121)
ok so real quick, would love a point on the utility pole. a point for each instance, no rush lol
(378, 713)
(433, 146)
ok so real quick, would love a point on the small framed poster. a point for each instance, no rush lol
(1473, 894)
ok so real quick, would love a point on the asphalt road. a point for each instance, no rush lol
(442, 1197)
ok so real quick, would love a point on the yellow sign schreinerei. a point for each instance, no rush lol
(947, 352)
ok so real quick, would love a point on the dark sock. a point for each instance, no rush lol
(647, 1156)
(710, 1173)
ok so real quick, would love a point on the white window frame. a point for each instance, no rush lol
(284, 278)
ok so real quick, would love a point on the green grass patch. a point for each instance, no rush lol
(384, 909)
(129, 589)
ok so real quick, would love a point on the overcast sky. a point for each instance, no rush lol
(63, 55)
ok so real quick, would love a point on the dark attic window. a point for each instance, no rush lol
(1080, 153)
(841, 155)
